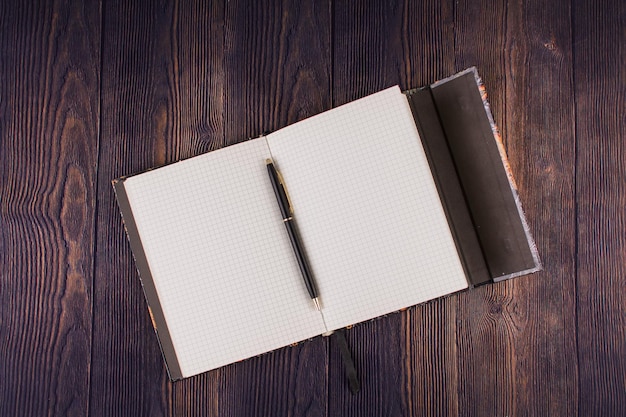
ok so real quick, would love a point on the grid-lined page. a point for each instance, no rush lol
(220, 258)
(367, 208)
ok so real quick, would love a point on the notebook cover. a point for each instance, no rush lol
(447, 181)
(483, 174)
(149, 289)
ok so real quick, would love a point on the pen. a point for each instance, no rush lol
(287, 213)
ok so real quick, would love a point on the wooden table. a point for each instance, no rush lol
(91, 90)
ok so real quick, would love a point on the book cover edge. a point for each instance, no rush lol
(155, 310)
(509, 173)
(482, 94)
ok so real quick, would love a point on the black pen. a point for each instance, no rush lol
(287, 213)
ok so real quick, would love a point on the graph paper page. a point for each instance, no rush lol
(367, 208)
(220, 257)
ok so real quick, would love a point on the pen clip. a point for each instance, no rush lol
(281, 180)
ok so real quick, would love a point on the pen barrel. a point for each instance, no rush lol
(294, 237)
(279, 190)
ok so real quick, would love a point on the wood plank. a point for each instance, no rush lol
(377, 45)
(600, 83)
(285, 382)
(49, 89)
(406, 360)
(517, 341)
(128, 376)
(434, 365)
(277, 66)
(162, 101)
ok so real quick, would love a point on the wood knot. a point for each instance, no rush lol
(495, 309)
(550, 46)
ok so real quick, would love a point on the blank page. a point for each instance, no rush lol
(220, 257)
(367, 208)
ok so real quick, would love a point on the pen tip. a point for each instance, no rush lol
(317, 304)
(268, 161)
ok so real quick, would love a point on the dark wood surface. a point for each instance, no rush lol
(90, 91)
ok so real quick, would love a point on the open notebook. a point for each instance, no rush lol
(219, 273)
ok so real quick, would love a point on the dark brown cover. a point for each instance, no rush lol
(447, 181)
(471, 171)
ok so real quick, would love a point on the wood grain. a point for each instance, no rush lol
(379, 351)
(539, 71)
(277, 67)
(433, 365)
(90, 91)
(516, 339)
(369, 51)
(377, 45)
(600, 88)
(49, 86)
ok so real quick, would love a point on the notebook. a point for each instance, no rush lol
(383, 229)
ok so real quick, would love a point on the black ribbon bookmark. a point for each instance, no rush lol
(348, 362)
